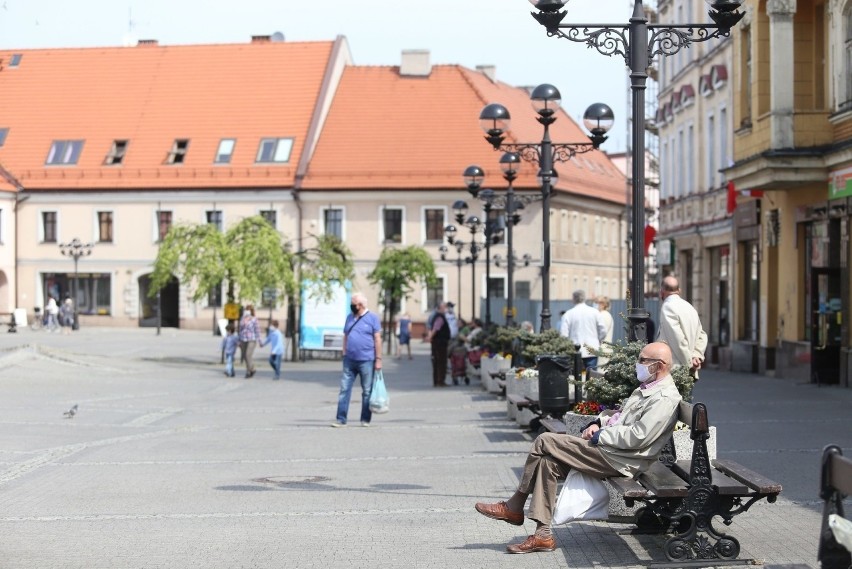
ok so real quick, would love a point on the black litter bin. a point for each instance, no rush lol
(553, 394)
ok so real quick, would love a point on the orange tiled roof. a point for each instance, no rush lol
(151, 95)
(386, 131)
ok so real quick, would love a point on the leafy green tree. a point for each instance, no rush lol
(396, 272)
(196, 254)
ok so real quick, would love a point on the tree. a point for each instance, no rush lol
(250, 257)
(396, 271)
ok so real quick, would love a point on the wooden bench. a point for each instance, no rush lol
(10, 322)
(685, 495)
(835, 485)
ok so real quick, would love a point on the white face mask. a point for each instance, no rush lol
(643, 372)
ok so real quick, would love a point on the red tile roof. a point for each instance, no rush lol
(387, 131)
(151, 95)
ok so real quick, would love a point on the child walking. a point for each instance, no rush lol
(229, 347)
(276, 341)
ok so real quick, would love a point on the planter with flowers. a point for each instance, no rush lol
(609, 386)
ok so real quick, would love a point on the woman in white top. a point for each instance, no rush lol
(603, 306)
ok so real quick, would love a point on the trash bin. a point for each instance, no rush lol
(553, 388)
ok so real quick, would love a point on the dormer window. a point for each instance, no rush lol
(178, 152)
(675, 103)
(64, 152)
(274, 150)
(668, 112)
(116, 153)
(719, 76)
(660, 117)
(687, 96)
(705, 86)
(225, 151)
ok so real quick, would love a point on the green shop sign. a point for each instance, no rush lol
(840, 184)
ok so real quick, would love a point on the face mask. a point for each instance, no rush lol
(643, 372)
(353, 308)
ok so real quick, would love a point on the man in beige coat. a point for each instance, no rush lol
(615, 444)
(680, 328)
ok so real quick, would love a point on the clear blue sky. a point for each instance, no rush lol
(466, 32)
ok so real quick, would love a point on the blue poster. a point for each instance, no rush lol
(322, 321)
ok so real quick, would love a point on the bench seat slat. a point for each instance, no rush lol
(628, 487)
(663, 482)
(841, 474)
(750, 478)
(554, 425)
(518, 400)
(727, 486)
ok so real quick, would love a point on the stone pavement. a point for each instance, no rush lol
(170, 464)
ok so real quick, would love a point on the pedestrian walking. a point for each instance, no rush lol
(403, 333)
(362, 356)
(680, 328)
(249, 335)
(275, 340)
(609, 325)
(584, 326)
(229, 348)
(52, 311)
(439, 336)
(66, 315)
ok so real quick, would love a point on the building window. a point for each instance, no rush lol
(575, 227)
(214, 297)
(497, 287)
(164, 224)
(846, 104)
(751, 291)
(4, 132)
(434, 221)
(392, 225)
(724, 160)
(225, 151)
(178, 151)
(92, 291)
(274, 150)
(105, 227)
(711, 154)
(434, 295)
(745, 76)
(48, 226)
(15, 60)
(522, 290)
(333, 222)
(214, 218)
(63, 152)
(271, 217)
(116, 153)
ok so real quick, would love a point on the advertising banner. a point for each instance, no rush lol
(321, 322)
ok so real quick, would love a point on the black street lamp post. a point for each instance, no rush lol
(475, 226)
(508, 163)
(459, 261)
(639, 43)
(546, 99)
(76, 249)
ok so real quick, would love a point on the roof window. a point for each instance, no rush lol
(15, 60)
(225, 151)
(64, 152)
(178, 152)
(116, 153)
(274, 150)
(3, 133)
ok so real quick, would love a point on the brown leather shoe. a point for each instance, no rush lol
(500, 511)
(533, 544)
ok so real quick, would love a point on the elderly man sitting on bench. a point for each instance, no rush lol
(623, 443)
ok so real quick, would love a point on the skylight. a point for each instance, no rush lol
(178, 152)
(274, 150)
(64, 152)
(116, 153)
(225, 151)
(3, 133)
(15, 60)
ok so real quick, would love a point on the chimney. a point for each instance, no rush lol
(415, 63)
(148, 43)
(261, 39)
(489, 71)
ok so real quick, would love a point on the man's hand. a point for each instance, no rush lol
(696, 363)
(590, 431)
(378, 364)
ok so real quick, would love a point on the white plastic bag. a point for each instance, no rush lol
(379, 398)
(842, 530)
(583, 497)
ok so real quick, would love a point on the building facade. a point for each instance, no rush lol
(793, 157)
(113, 146)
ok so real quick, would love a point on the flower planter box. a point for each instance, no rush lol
(488, 366)
(514, 386)
(683, 449)
(530, 389)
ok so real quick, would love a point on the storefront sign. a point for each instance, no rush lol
(664, 252)
(840, 184)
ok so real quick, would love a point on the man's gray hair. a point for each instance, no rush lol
(579, 296)
(359, 298)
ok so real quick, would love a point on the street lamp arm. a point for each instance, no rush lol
(561, 151)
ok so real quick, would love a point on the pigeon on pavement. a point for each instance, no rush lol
(69, 414)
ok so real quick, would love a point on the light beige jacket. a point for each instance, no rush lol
(681, 329)
(647, 420)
